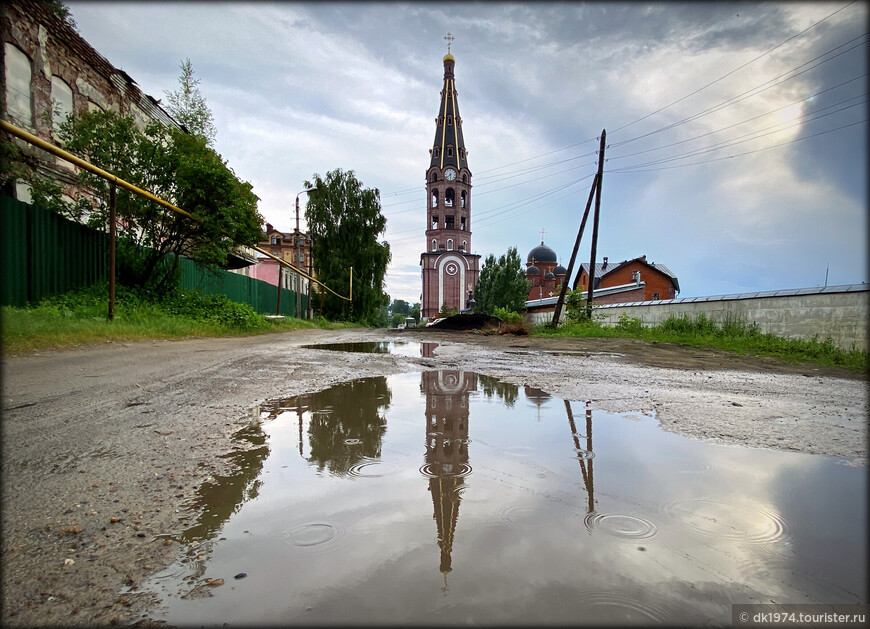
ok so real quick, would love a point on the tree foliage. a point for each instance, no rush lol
(344, 221)
(502, 284)
(400, 306)
(175, 166)
(187, 105)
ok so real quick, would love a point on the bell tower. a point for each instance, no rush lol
(450, 271)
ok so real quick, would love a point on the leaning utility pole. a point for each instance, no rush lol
(567, 280)
(595, 226)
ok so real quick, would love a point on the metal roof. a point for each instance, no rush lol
(787, 292)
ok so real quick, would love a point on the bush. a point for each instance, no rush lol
(217, 309)
(629, 325)
(507, 316)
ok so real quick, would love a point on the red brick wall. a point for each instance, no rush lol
(656, 282)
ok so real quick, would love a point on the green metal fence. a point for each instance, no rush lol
(42, 253)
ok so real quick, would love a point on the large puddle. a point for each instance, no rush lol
(450, 497)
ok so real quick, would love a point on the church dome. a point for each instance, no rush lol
(449, 57)
(549, 275)
(541, 253)
(533, 270)
(560, 270)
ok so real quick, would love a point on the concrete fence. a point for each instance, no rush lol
(837, 312)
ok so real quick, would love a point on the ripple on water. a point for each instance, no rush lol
(584, 454)
(371, 468)
(313, 534)
(436, 470)
(730, 521)
(606, 606)
(620, 525)
(512, 515)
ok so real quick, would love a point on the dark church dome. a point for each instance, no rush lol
(549, 275)
(533, 270)
(560, 270)
(541, 253)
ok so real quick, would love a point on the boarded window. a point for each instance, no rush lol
(61, 101)
(18, 71)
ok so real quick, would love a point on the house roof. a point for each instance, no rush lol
(601, 271)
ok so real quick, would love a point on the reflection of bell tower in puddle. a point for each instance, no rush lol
(447, 394)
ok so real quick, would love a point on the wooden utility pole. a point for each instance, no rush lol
(564, 290)
(595, 226)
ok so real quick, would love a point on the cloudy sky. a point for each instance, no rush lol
(736, 132)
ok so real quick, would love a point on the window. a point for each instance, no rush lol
(449, 196)
(449, 151)
(448, 222)
(464, 179)
(434, 222)
(61, 100)
(437, 152)
(655, 296)
(464, 246)
(434, 198)
(18, 71)
(449, 246)
(434, 176)
(450, 120)
(462, 201)
(462, 223)
(434, 244)
(276, 240)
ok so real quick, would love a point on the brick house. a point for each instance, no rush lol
(283, 245)
(652, 281)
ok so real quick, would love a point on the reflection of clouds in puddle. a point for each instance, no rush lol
(511, 501)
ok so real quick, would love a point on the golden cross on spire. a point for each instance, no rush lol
(449, 39)
(543, 231)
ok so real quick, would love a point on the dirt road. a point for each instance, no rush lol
(104, 447)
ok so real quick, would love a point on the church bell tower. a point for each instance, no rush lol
(449, 270)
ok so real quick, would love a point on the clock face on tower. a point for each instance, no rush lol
(450, 174)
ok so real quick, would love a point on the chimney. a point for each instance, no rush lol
(604, 266)
(268, 227)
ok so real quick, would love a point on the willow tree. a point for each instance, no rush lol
(344, 222)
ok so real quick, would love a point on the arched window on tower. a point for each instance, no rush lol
(464, 179)
(462, 223)
(437, 152)
(434, 198)
(449, 196)
(450, 120)
(465, 245)
(434, 176)
(462, 200)
(449, 244)
(434, 222)
(449, 151)
(434, 244)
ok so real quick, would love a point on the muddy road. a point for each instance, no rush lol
(104, 447)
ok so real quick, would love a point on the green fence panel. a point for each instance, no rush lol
(43, 253)
(46, 254)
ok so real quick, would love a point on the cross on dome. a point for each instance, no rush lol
(449, 39)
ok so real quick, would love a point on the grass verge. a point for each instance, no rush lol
(80, 318)
(733, 334)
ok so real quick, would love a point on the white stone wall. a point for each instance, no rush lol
(842, 316)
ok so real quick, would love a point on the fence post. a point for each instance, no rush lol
(112, 233)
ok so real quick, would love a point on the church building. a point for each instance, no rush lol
(449, 269)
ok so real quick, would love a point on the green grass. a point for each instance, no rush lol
(80, 318)
(733, 334)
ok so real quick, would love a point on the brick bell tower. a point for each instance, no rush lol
(449, 270)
